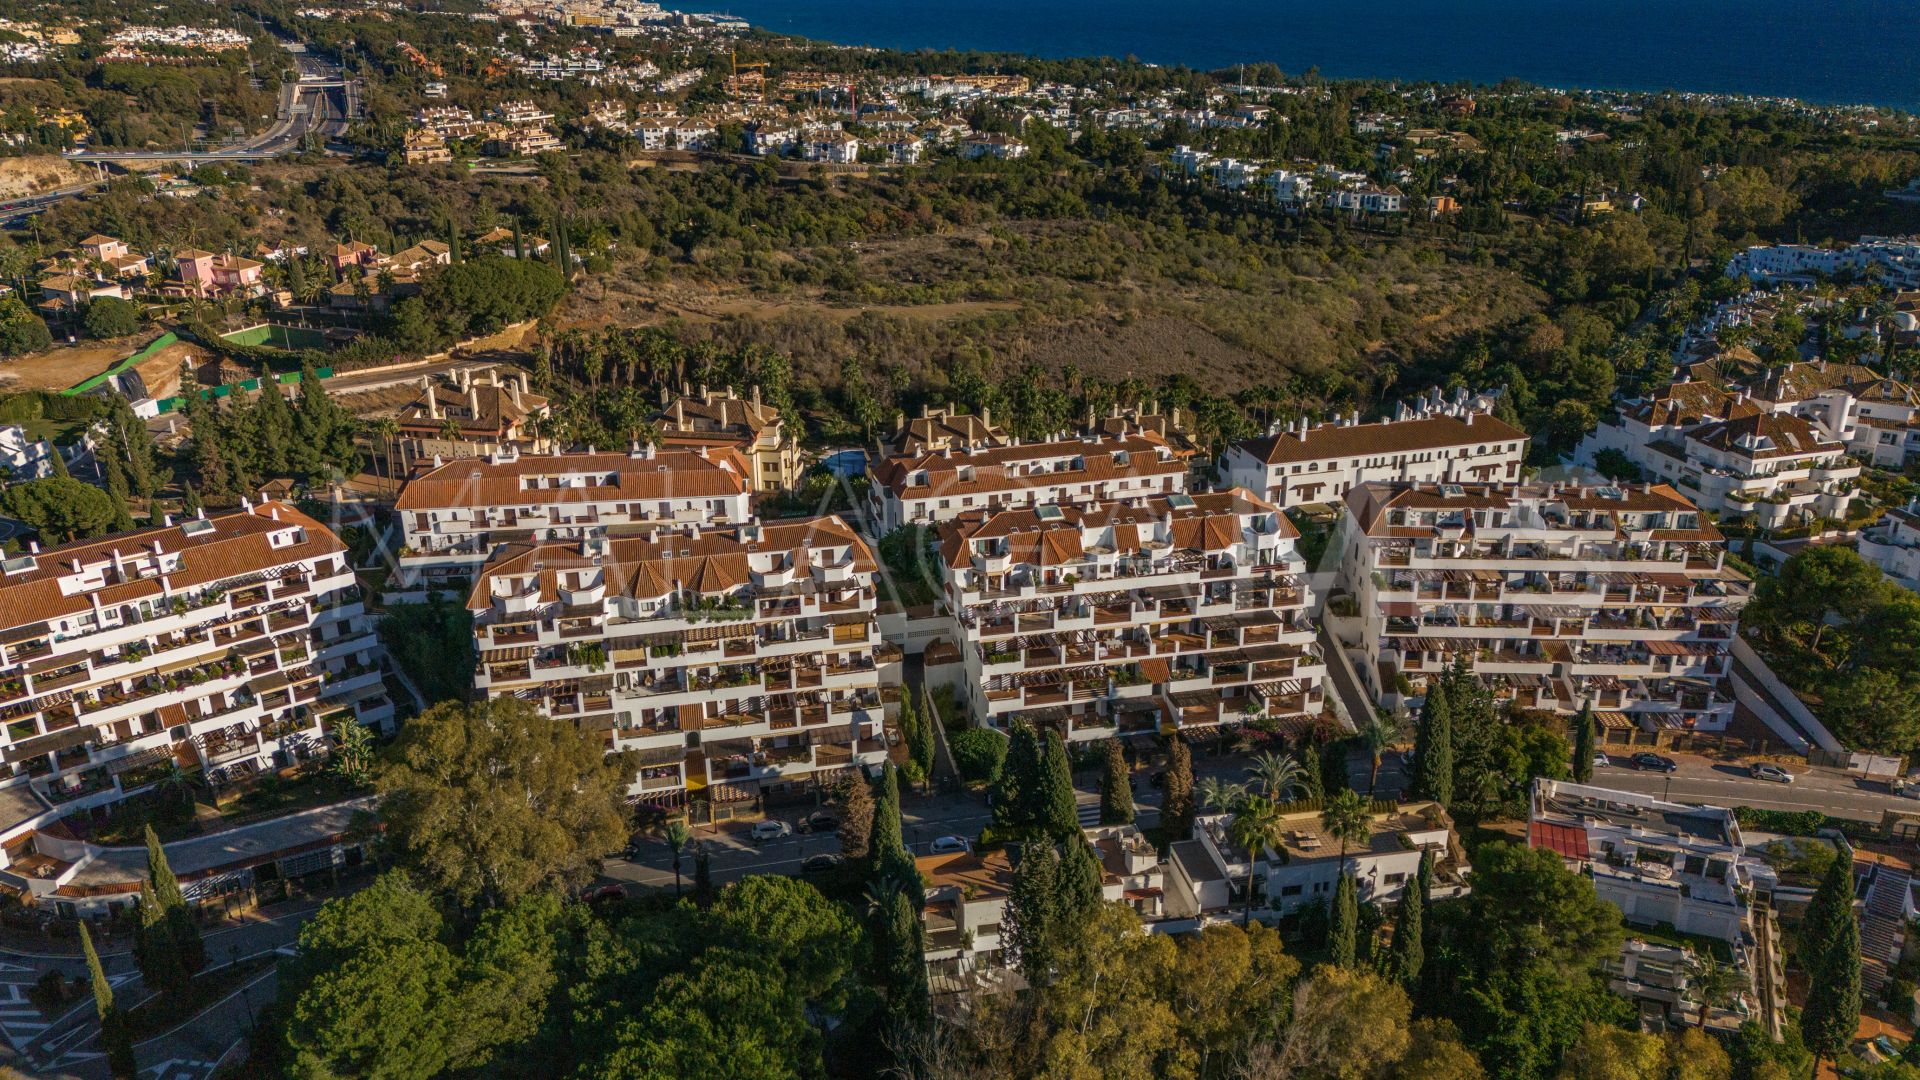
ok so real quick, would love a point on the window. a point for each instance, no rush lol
(1290, 890)
(1395, 879)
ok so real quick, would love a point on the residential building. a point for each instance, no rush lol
(1661, 863)
(1434, 441)
(500, 239)
(229, 644)
(207, 274)
(352, 255)
(1556, 596)
(468, 417)
(520, 142)
(423, 147)
(68, 293)
(115, 255)
(1304, 868)
(938, 429)
(739, 662)
(24, 457)
(993, 145)
(1893, 544)
(1121, 617)
(931, 487)
(830, 146)
(453, 514)
(1776, 469)
(1894, 261)
(718, 420)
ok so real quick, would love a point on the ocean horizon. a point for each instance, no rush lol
(1827, 52)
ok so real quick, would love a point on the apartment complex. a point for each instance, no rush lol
(1434, 442)
(468, 417)
(1893, 544)
(718, 420)
(454, 514)
(1304, 868)
(736, 661)
(1556, 596)
(230, 644)
(934, 486)
(1659, 862)
(1111, 617)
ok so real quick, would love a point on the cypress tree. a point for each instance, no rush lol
(57, 459)
(1019, 776)
(1032, 909)
(189, 951)
(190, 500)
(1583, 745)
(1433, 748)
(903, 961)
(888, 857)
(1832, 939)
(1409, 950)
(1080, 878)
(453, 241)
(702, 879)
(1176, 800)
(1311, 782)
(1116, 787)
(116, 484)
(153, 949)
(519, 243)
(115, 1038)
(1056, 809)
(1343, 938)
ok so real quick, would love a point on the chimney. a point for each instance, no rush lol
(473, 401)
(433, 399)
(1471, 413)
(986, 418)
(756, 395)
(513, 389)
(463, 376)
(679, 412)
(703, 391)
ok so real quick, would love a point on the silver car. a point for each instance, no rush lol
(1771, 772)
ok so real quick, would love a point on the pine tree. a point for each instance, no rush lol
(1831, 934)
(1343, 938)
(1056, 808)
(276, 428)
(1409, 948)
(1032, 909)
(1433, 748)
(1116, 787)
(1583, 745)
(1176, 800)
(190, 500)
(1019, 777)
(116, 484)
(115, 1037)
(189, 951)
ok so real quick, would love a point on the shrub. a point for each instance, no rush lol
(978, 754)
(109, 317)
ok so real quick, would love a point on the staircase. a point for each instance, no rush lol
(1882, 927)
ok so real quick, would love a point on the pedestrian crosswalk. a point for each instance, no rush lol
(20, 1019)
(180, 1069)
(1089, 814)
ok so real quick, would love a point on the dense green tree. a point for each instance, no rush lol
(856, 817)
(1830, 943)
(1584, 744)
(1342, 940)
(887, 857)
(1176, 795)
(115, 1037)
(1116, 786)
(21, 331)
(979, 754)
(1032, 916)
(1433, 748)
(1409, 927)
(1020, 778)
(109, 317)
(491, 800)
(188, 950)
(60, 508)
(1056, 809)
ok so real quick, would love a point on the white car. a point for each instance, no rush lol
(1771, 772)
(772, 830)
(1601, 760)
(950, 845)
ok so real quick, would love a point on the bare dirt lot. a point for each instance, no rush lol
(23, 176)
(63, 366)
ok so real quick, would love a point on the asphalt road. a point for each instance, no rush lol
(1830, 791)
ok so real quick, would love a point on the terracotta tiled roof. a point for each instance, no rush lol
(710, 561)
(997, 468)
(497, 412)
(1370, 503)
(1209, 524)
(236, 544)
(1391, 437)
(480, 482)
(1768, 436)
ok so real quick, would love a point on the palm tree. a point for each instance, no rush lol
(1256, 826)
(1216, 794)
(676, 838)
(1376, 735)
(1348, 818)
(1277, 775)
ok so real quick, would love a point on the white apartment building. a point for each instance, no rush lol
(933, 486)
(1893, 260)
(1099, 619)
(1432, 443)
(736, 661)
(1877, 418)
(1304, 868)
(830, 146)
(1779, 469)
(1556, 596)
(994, 145)
(1661, 863)
(453, 515)
(230, 644)
(1893, 544)
(1290, 188)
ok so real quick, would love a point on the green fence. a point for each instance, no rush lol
(153, 347)
(214, 393)
(290, 338)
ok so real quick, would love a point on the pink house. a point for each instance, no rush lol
(207, 274)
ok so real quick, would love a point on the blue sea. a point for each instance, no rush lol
(1828, 51)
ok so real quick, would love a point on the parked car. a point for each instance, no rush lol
(950, 845)
(602, 893)
(1646, 759)
(820, 864)
(772, 830)
(1601, 760)
(1764, 771)
(819, 821)
(1159, 780)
